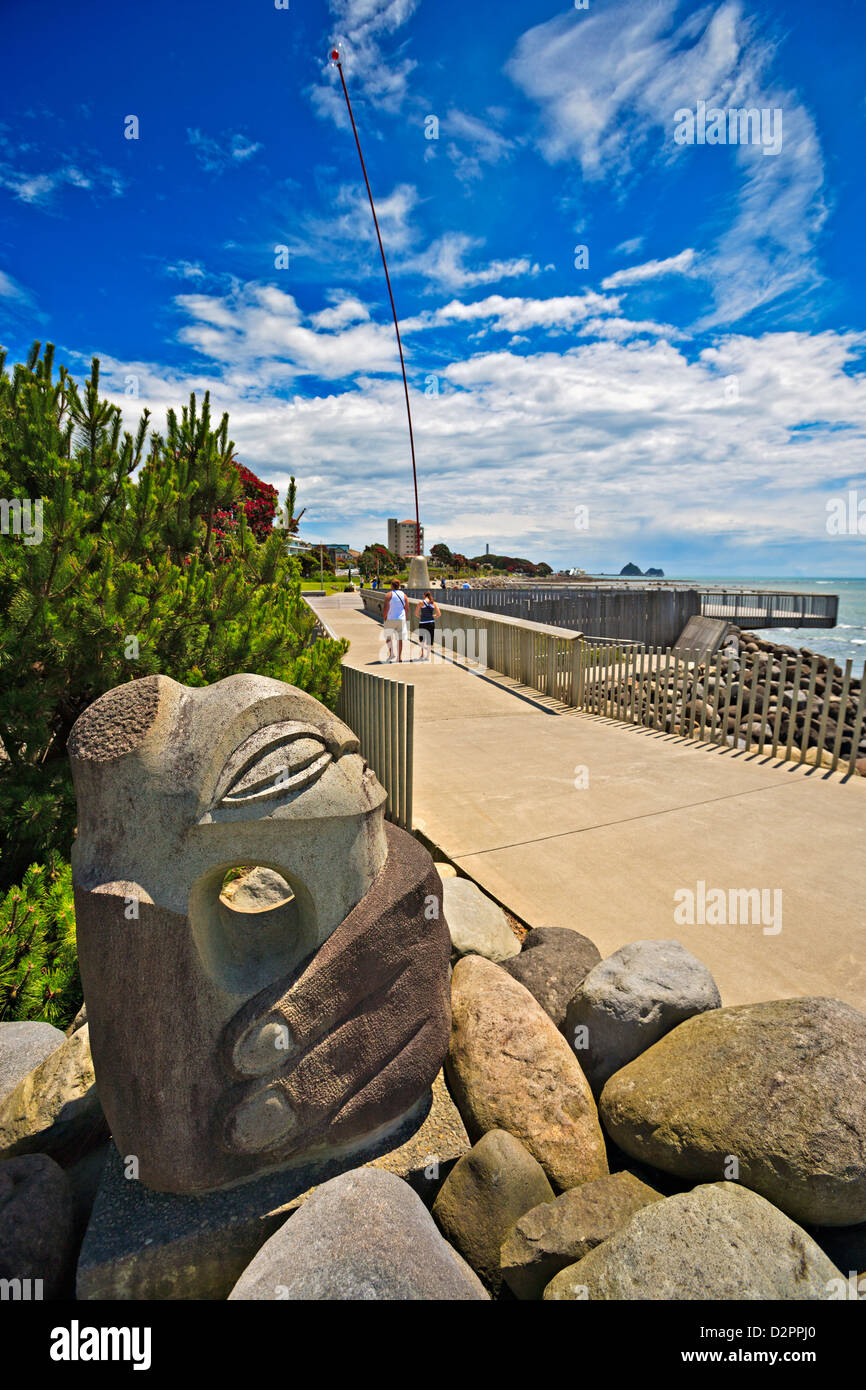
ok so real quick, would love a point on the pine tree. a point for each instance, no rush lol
(130, 576)
(39, 976)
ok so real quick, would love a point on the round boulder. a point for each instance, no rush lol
(553, 1236)
(773, 1094)
(486, 1191)
(509, 1067)
(477, 924)
(364, 1235)
(552, 964)
(632, 999)
(716, 1242)
(37, 1239)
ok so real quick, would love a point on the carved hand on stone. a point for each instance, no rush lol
(323, 1053)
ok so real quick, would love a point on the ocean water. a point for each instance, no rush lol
(846, 640)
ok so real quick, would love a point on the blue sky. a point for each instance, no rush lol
(690, 394)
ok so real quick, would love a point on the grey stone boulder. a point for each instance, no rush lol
(630, 1000)
(552, 1237)
(55, 1108)
(362, 1236)
(37, 1238)
(22, 1047)
(509, 1067)
(719, 1241)
(779, 1087)
(477, 924)
(482, 1197)
(553, 962)
(257, 890)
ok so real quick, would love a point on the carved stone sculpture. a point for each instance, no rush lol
(230, 1043)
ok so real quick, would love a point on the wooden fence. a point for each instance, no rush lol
(791, 709)
(381, 713)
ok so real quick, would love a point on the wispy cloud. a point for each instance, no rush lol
(217, 153)
(630, 247)
(683, 264)
(608, 83)
(360, 31)
(40, 189)
(443, 263)
(11, 290)
(185, 270)
(473, 143)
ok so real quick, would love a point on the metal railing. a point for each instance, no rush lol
(535, 654)
(382, 713)
(650, 611)
(784, 707)
(752, 608)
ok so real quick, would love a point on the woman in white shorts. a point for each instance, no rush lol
(395, 620)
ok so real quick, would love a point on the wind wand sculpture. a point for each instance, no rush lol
(336, 60)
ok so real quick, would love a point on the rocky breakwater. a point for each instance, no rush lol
(754, 694)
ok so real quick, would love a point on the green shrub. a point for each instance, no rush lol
(131, 571)
(38, 961)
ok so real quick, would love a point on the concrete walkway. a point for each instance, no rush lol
(573, 820)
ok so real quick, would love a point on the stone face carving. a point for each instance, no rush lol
(230, 1043)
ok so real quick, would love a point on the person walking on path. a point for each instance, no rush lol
(395, 620)
(428, 611)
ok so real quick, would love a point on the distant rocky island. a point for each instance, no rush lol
(632, 571)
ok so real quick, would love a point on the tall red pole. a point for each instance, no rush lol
(335, 58)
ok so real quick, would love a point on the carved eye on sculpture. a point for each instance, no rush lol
(273, 762)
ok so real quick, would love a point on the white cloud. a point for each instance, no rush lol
(639, 431)
(360, 28)
(346, 237)
(11, 290)
(515, 315)
(215, 154)
(40, 189)
(346, 310)
(443, 263)
(607, 84)
(259, 333)
(489, 145)
(185, 270)
(485, 145)
(683, 264)
(630, 424)
(620, 329)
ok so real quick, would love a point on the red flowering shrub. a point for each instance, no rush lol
(259, 503)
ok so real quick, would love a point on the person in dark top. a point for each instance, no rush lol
(428, 611)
